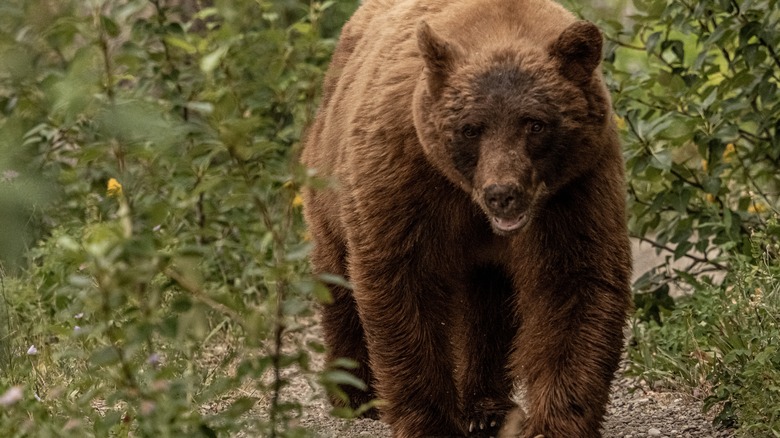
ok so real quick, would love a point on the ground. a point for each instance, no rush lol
(635, 410)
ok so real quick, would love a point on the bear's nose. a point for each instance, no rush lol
(501, 198)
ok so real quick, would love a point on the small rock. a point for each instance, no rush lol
(653, 432)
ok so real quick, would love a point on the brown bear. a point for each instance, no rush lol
(477, 206)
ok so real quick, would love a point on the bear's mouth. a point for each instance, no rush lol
(504, 225)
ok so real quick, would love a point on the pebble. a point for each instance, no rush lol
(653, 432)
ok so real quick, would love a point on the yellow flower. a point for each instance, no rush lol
(297, 200)
(727, 154)
(620, 122)
(710, 198)
(114, 187)
(729, 150)
(757, 207)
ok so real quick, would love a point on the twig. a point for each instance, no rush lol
(200, 295)
(703, 259)
(127, 372)
(6, 305)
(104, 50)
(161, 20)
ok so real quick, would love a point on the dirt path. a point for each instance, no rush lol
(634, 412)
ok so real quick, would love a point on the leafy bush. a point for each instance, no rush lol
(147, 162)
(724, 339)
(695, 86)
(152, 253)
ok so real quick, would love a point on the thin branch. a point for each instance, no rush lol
(113, 339)
(281, 287)
(703, 259)
(753, 137)
(623, 44)
(750, 178)
(199, 294)
(771, 51)
(161, 20)
(5, 306)
(104, 50)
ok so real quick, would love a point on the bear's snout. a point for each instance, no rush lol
(506, 205)
(503, 199)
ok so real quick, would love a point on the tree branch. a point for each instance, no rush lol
(702, 259)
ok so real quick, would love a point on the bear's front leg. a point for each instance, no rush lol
(567, 353)
(489, 328)
(405, 314)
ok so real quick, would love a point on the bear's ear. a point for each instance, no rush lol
(439, 56)
(578, 51)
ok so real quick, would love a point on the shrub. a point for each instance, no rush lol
(148, 153)
(724, 340)
(695, 86)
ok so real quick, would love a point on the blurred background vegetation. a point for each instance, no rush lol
(152, 253)
(152, 246)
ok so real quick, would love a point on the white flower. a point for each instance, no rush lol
(13, 395)
(154, 359)
(79, 315)
(9, 175)
(32, 351)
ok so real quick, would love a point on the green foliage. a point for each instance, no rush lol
(695, 87)
(724, 339)
(147, 161)
(152, 274)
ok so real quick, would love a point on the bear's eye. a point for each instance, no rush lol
(471, 131)
(535, 127)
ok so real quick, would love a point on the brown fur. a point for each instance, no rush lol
(477, 207)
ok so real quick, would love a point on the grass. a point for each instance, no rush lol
(724, 341)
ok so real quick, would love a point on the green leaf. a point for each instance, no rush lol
(712, 185)
(676, 47)
(336, 280)
(210, 61)
(109, 26)
(181, 43)
(239, 407)
(652, 42)
(340, 377)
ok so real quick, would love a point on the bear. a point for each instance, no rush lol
(475, 203)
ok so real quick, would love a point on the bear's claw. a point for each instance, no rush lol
(487, 426)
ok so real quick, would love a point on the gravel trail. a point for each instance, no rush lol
(635, 411)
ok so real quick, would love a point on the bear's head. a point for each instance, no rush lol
(512, 124)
